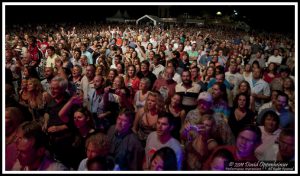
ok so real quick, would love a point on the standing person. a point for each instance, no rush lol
(145, 72)
(31, 144)
(240, 115)
(270, 132)
(146, 118)
(48, 74)
(188, 90)
(87, 82)
(162, 138)
(36, 101)
(220, 101)
(125, 145)
(132, 82)
(59, 132)
(166, 84)
(51, 57)
(141, 95)
(260, 89)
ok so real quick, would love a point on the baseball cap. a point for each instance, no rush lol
(205, 96)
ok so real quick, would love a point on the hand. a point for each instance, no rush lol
(53, 129)
(77, 99)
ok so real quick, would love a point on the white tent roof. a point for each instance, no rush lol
(155, 19)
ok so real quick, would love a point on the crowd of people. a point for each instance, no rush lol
(131, 98)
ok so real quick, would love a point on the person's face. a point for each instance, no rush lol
(216, 93)
(284, 74)
(242, 101)
(117, 83)
(80, 119)
(50, 52)
(186, 77)
(90, 72)
(274, 96)
(144, 68)
(97, 82)
(111, 75)
(130, 72)
(163, 127)
(151, 102)
(246, 143)
(26, 72)
(119, 68)
(76, 55)
(270, 124)
(175, 100)
(75, 71)
(194, 72)
(243, 88)
(151, 55)
(48, 72)
(27, 154)
(233, 68)
(281, 102)
(287, 83)
(271, 66)
(203, 106)
(220, 78)
(93, 151)
(30, 85)
(169, 74)
(56, 91)
(287, 146)
(218, 164)
(122, 124)
(157, 164)
(142, 85)
(256, 73)
(83, 61)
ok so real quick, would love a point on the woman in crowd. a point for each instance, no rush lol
(289, 89)
(141, 94)
(164, 159)
(240, 115)
(270, 73)
(132, 82)
(209, 74)
(175, 108)
(146, 118)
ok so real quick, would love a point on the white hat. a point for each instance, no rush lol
(205, 96)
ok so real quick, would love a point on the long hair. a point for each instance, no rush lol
(168, 156)
(159, 101)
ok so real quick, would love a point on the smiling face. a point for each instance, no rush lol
(157, 164)
(246, 143)
(80, 119)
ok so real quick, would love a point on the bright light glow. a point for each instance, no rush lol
(219, 13)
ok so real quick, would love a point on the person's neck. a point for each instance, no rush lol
(36, 164)
(187, 85)
(164, 138)
(144, 91)
(84, 131)
(99, 90)
(153, 111)
(175, 107)
(59, 99)
(242, 109)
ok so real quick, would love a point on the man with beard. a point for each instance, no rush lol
(31, 144)
(166, 85)
(48, 74)
(162, 138)
(188, 90)
(125, 147)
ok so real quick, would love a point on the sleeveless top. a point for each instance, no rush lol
(144, 129)
(138, 102)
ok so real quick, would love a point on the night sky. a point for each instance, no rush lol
(269, 18)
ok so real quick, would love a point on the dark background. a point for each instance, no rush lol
(269, 18)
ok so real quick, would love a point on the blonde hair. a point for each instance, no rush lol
(160, 105)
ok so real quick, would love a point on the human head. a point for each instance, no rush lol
(98, 163)
(34, 85)
(83, 118)
(249, 138)
(31, 143)
(90, 71)
(186, 77)
(145, 84)
(219, 91)
(256, 73)
(164, 124)
(282, 101)
(242, 100)
(205, 101)
(154, 101)
(270, 120)
(286, 142)
(124, 121)
(58, 86)
(164, 159)
(244, 87)
(145, 66)
(219, 159)
(97, 144)
(169, 73)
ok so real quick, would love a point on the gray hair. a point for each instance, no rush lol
(62, 82)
